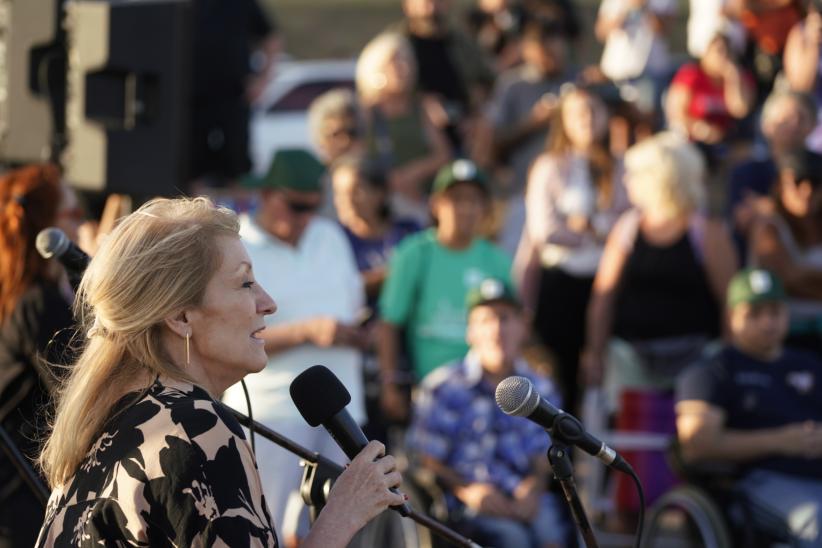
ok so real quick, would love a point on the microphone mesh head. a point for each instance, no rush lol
(51, 242)
(318, 394)
(516, 396)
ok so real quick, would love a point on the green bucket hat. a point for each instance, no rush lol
(296, 169)
(754, 285)
(459, 171)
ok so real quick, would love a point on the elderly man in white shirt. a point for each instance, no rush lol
(306, 264)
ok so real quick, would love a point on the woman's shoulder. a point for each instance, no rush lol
(545, 172)
(626, 228)
(192, 411)
(548, 162)
(168, 416)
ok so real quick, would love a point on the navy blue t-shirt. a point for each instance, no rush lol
(755, 177)
(371, 253)
(757, 394)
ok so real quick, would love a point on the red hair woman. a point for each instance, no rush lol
(35, 317)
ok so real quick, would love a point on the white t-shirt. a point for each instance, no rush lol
(318, 277)
(559, 189)
(705, 21)
(634, 49)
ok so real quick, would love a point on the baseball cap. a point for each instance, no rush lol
(492, 290)
(459, 171)
(754, 285)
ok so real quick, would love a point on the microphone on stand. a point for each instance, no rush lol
(53, 243)
(517, 396)
(321, 398)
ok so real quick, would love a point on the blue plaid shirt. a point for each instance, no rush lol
(457, 422)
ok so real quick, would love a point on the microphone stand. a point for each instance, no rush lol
(560, 458)
(320, 470)
(25, 470)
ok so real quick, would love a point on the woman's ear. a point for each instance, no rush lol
(178, 323)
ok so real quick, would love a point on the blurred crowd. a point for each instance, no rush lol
(482, 205)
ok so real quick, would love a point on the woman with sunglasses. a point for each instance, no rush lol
(35, 321)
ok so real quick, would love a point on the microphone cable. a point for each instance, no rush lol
(250, 418)
(641, 521)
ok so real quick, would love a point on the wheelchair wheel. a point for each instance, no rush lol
(686, 517)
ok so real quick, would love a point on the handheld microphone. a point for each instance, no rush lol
(53, 243)
(321, 398)
(517, 396)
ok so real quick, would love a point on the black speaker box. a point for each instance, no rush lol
(128, 86)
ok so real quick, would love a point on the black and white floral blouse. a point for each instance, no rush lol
(171, 469)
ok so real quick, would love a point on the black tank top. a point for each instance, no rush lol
(665, 293)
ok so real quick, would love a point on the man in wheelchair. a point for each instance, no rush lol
(492, 466)
(759, 405)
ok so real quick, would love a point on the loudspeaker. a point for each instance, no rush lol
(128, 86)
(32, 80)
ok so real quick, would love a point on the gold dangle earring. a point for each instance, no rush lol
(188, 353)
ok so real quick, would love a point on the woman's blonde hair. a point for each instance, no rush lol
(156, 262)
(375, 55)
(671, 172)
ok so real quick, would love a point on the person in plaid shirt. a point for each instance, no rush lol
(493, 466)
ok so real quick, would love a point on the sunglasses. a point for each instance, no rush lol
(301, 208)
(350, 132)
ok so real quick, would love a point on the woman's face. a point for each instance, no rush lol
(399, 77)
(354, 198)
(716, 57)
(338, 135)
(225, 328)
(638, 193)
(584, 120)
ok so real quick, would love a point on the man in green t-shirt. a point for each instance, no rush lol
(429, 276)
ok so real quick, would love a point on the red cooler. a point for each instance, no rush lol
(651, 412)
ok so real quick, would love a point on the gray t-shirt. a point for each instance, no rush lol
(516, 93)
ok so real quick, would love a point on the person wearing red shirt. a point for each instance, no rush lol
(705, 98)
